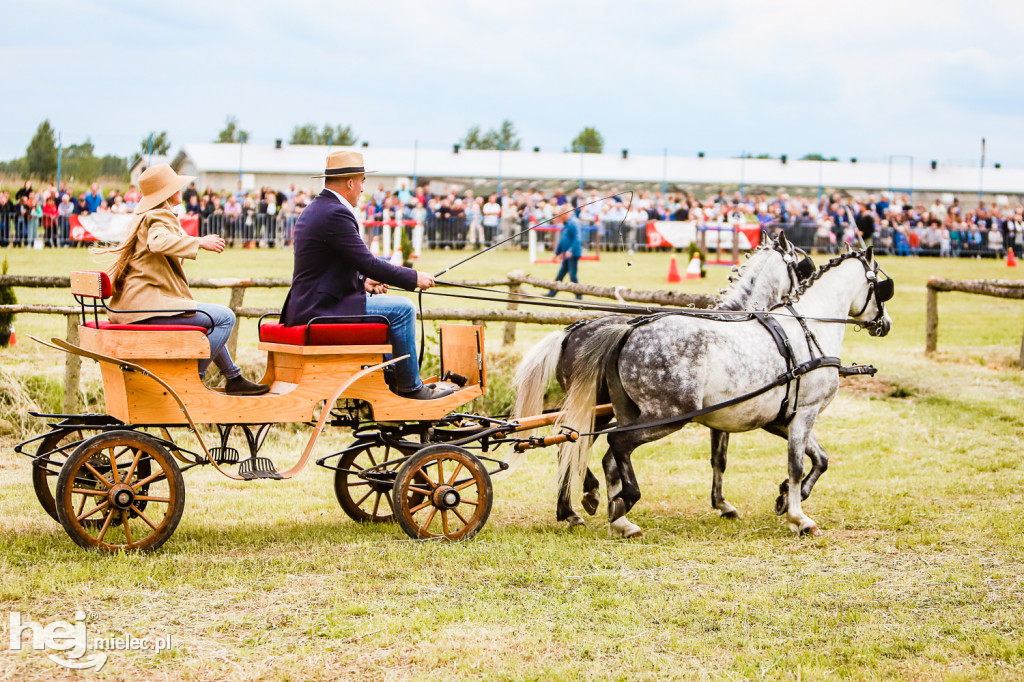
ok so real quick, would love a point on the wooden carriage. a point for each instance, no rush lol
(114, 480)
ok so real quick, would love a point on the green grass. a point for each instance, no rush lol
(918, 573)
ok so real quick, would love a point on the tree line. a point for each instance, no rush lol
(79, 161)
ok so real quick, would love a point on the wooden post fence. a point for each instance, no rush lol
(999, 288)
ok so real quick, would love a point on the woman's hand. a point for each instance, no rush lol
(375, 287)
(211, 242)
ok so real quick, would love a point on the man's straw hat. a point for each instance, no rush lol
(344, 164)
(158, 184)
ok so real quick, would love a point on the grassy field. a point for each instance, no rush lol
(918, 572)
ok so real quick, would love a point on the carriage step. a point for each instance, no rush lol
(224, 455)
(257, 467)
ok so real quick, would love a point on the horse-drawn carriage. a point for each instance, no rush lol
(114, 480)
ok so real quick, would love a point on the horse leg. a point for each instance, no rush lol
(719, 453)
(620, 525)
(819, 465)
(799, 433)
(591, 492)
(564, 510)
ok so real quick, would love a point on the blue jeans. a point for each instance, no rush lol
(401, 314)
(223, 322)
(568, 267)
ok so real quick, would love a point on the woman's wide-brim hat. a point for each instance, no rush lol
(344, 164)
(158, 184)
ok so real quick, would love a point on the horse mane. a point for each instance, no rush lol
(815, 276)
(735, 295)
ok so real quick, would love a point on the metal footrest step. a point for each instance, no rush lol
(224, 455)
(257, 467)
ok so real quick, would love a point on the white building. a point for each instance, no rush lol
(222, 166)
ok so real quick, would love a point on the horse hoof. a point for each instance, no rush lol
(589, 502)
(575, 521)
(730, 514)
(624, 528)
(616, 509)
(781, 505)
(811, 530)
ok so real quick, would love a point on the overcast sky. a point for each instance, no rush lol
(865, 79)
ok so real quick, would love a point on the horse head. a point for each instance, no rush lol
(870, 310)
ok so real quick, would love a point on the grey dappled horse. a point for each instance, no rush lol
(772, 272)
(678, 364)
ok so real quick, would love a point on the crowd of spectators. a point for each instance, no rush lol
(894, 224)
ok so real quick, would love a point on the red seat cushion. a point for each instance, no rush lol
(353, 334)
(147, 327)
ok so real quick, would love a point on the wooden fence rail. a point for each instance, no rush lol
(999, 288)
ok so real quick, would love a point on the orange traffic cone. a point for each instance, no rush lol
(693, 269)
(14, 338)
(673, 271)
(1011, 260)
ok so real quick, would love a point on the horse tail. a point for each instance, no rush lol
(588, 372)
(531, 378)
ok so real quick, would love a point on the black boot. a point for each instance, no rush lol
(242, 386)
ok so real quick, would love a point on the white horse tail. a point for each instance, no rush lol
(532, 377)
(584, 381)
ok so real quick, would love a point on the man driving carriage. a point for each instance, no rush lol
(334, 271)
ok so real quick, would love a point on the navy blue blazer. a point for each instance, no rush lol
(332, 264)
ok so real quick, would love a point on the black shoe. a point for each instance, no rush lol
(242, 386)
(425, 393)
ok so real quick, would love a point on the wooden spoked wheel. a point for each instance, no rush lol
(45, 469)
(442, 491)
(120, 490)
(366, 497)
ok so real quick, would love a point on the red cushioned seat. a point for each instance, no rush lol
(147, 327)
(352, 334)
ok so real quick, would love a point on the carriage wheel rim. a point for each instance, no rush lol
(457, 495)
(122, 511)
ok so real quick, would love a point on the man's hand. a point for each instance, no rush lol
(211, 242)
(424, 280)
(374, 287)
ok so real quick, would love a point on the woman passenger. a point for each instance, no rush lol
(149, 282)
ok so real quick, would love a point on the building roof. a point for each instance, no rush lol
(528, 165)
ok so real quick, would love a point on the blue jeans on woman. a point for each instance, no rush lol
(223, 322)
(401, 314)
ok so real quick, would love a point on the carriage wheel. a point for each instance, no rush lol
(367, 499)
(120, 490)
(454, 491)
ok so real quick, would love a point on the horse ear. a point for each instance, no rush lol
(870, 254)
(783, 242)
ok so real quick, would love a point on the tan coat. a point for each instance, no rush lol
(154, 279)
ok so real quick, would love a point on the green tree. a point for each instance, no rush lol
(41, 154)
(80, 162)
(503, 137)
(589, 141)
(339, 135)
(231, 132)
(161, 145)
(304, 134)
(816, 157)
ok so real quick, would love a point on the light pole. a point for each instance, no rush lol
(664, 173)
(415, 153)
(583, 149)
(241, 143)
(981, 172)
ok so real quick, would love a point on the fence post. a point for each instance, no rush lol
(510, 326)
(237, 293)
(72, 369)
(735, 244)
(1020, 362)
(931, 330)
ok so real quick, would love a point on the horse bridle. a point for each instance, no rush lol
(879, 290)
(799, 268)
